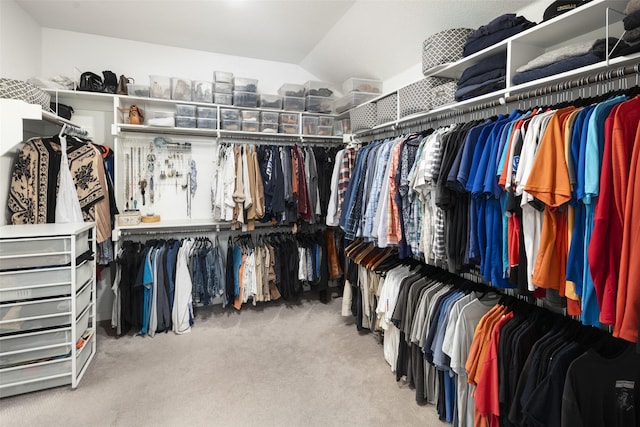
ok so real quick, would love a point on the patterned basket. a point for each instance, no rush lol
(443, 94)
(443, 47)
(17, 89)
(416, 97)
(387, 109)
(363, 117)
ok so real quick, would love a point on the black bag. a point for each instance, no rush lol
(110, 82)
(90, 82)
(64, 111)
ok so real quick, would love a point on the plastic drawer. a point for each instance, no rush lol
(229, 114)
(245, 99)
(269, 127)
(243, 84)
(325, 130)
(226, 88)
(250, 126)
(309, 125)
(160, 87)
(269, 117)
(325, 121)
(319, 104)
(185, 110)
(185, 122)
(223, 98)
(40, 252)
(25, 316)
(41, 283)
(318, 88)
(206, 113)
(222, 77)
(289, 119)
(202, 91)
(35, 386)
(291, 89)
(35, 371)
(289, 129)
(180, 89)
(140, 91)
(293, 103)
(231, 125)
(250, 116)
(34, 346)
(362, 85)
(207, 123)
(271, 101)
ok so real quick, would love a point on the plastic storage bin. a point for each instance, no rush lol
(269, 117)
(318, 88)
(222, 77)
(229, 114)
(289, 119)
(202, 91)
(160, 87)
(269, 127)
(137, 90)
(206, 113)
(180, 89)
(309, 125)
(243, 84)
(250, 126)
(271, 101)
(337, 128)
(325, 130)
(293, 103)
(288, 129)
(185, 122)
(206, 123)
(291, 89)
(319, 104)
(353, 99)
(245, 99)
(250, 116)
(223, 98)
(362, 85)
(185, 110)
(223, 88)
(231, 125)
(325, 121)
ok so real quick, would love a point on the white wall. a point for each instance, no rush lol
(64, 51)
(20, 37)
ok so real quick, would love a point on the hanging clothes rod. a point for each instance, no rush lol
(214, 228)
(429, 117)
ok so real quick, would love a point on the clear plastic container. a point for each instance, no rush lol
(293, 103)
(229, 114)
(269, 117)
(269, 127)
(243, 84)
(185, 110)
(271, 101)
(319, 104)
(319, 88)
(222, 77)
(325, 121)
(185, 122)
(205, 123)
(250, 116)
(289, 129)
(137, 90)
(289, 119)
(353, 99)
(206, 113)
(245, 99)
(180, 89)
(250, 126)
(160, 87)
(309, 125)
(291, 89)
(325, 130)
(223, 98)
(231, 125)
(202, 91)
(223, 88)
(355, 84)
(337, 128)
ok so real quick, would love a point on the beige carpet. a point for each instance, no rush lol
(272, 365)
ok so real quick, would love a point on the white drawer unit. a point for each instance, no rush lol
(47, 304)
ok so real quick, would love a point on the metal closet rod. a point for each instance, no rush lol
(599, 77)
(215, 228)
(277, 142)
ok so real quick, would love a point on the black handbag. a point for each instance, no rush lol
(90, 82)
(62, 110)
(110, 82)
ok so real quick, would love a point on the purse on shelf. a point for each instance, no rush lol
(122, 84)
(136, 115)
(62, 110)
(90, 82)
(110, 82)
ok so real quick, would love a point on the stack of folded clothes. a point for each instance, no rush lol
(632, 25)
(500, 28)
(567, 58)
(484, 77)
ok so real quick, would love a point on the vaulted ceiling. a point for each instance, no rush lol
(332, 39)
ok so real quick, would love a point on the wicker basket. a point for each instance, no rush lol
(387, 109)
(363, 117)
(443, 47)
(416, 97)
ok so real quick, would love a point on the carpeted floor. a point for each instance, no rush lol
(271, 365)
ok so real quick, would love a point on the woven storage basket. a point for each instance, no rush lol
(443, 47)
(363, 117)
(444, 94)
(387, 109)
(416, 97)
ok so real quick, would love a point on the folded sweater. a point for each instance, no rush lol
(557, 68)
